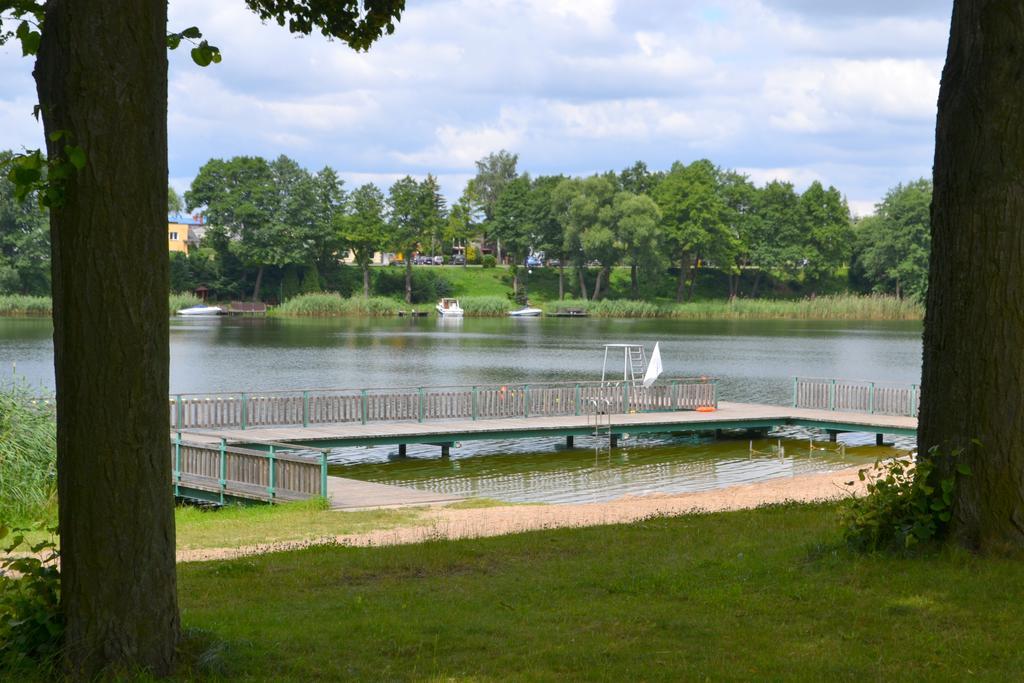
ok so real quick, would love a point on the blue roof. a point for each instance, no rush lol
(183, 219)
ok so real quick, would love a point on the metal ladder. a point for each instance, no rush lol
(637, 363)
(600, 411)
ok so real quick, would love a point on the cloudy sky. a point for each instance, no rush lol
(840, 90)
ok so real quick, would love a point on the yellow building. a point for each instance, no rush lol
(177, 237)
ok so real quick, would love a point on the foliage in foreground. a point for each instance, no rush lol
(31, 623)
(28, 454)
(905, 504)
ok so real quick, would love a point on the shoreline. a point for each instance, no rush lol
(452, 523)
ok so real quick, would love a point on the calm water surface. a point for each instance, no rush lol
(754, 360)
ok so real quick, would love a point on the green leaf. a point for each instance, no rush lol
(963, 468)
(173, 41)
(29, 39)
(4, 530)
(192, 32)
(25, 176)
(201, 56)
(76, 155)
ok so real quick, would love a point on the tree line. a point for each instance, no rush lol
(279, 218)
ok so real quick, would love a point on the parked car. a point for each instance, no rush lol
(554, 263)
(438, 260)
(534, 262)
(458, 260)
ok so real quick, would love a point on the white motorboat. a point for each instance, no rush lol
(449, 308)
(527, 312)
(202, 310)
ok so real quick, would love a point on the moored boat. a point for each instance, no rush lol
(527, 312)
(201, 310)
(449, 308)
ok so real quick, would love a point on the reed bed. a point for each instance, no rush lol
(21, 304)
(329, 304)
(838, 307)
(485, 306)
(179, 300)
(28, 455)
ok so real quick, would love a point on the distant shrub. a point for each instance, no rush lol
(472, 255)
(427, 285)
(20, 304)
(488, 261)
(327, 304)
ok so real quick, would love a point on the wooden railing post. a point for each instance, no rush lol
(271, 489)
(832, 395)
(474, 401)
(245, 410)
(178, 411)
(323, 473)
(223, 478)
(871, 397)
(177, 464)
(526, 400)
(305, 408)
(796, 382)
(421, 405)
(362, 405)
(577, 398)
(913, 401)
(625, 398)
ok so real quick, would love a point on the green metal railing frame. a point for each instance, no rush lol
(871, 387)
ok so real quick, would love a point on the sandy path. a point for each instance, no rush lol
(473, 523)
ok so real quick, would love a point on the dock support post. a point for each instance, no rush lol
(272, 489)
(446, 450)
(718, 434)
(568, 442)
(223, 478)
(401, 450)
(323, 473)
(177, 463)
(614, 440)
(832, 433)
(878, 440)
(178, 411)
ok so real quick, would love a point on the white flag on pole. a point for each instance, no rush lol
(654, 368)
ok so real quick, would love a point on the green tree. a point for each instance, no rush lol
(638, 179)
(415, 213)
(693, 215)
(364, 229)
(547, 228)
(101, 77)
(774, 238)
(893, 245)
(174, 201)
(743, 222)
(462, 225)
(24, 242)
(590, 224)
(493, 173)
(638, 226)
(827, 231)
(331, 202)
(513, 224)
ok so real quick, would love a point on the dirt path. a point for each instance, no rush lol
(448, 523)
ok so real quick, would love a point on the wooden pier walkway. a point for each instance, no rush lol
(244, 446)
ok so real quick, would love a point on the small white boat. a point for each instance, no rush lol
(528, 312)
(202, 310)
(449, 308)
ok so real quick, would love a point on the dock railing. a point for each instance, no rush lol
(420, 404)
(232, 472)
(881, 398)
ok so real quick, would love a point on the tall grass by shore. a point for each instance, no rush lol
(21, 304)
(838, 307)
(331, 304)
(28, 454)
(485, 306)
(179, 300)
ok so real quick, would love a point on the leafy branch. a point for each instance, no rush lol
(203, 53)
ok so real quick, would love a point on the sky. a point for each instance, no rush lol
(842, 91)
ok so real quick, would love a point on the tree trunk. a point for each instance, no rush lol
(408, 278)
(366, 280)
(681, 285)
(693, 278)
(256, 287)
(101, 74)
(634, 282)
(515, 279)
(597, 285)
(583, 282)
(561, 281)
(972, 370)
(757, 281)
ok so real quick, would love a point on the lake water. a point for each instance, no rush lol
(754, 361)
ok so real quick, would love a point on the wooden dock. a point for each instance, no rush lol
(243, 446)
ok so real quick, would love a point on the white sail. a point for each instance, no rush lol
(654, 368)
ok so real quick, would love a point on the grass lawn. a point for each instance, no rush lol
(762, 594)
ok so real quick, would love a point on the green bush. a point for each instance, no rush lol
(904, 505)
(28, 454)
(326, 304)
(427, 285)
(31, 622)
(488, 261)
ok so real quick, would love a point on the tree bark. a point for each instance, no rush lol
(972, 370)
(408, 278)
(366, 280)
(597, 284)
(256, 287)
(101, 73)
(583, 282)
(561, 280)
(681, 285)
